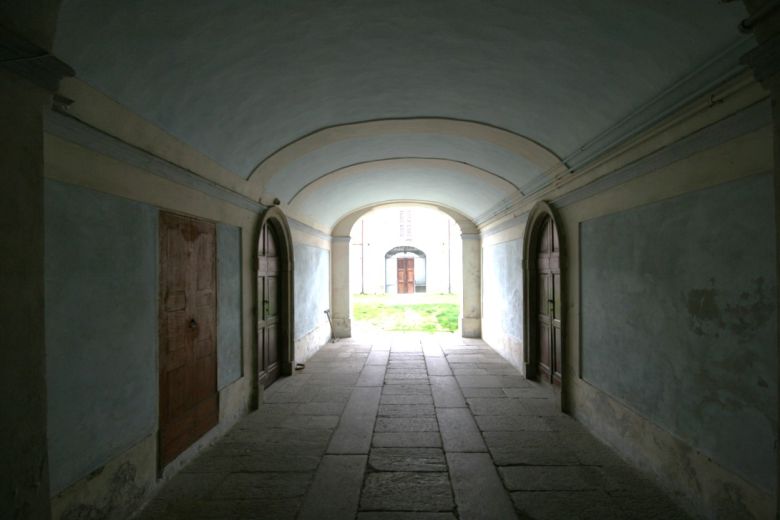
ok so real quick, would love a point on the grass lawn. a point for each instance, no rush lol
(420, 312)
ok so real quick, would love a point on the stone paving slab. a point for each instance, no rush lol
(406, 491)
(406, 424)
(335, 492)
(405, 516)
(493, 406)
(378, 357)
(405, 410)
(473, 391)
(444, 428)
(372, 375)
(353, 435)
(407, 389)
(446, 392)
(551, 478)
(554, 505)
(276, 508)
(407, 440)
(267, 459)
(459, 432)
(407, 459)
(327, 393)
(511, 423)
(438, 366)
(327, 422)
(248, 486)
(478, 489)
(406, 399)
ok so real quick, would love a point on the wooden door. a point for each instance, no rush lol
(189, 400)
(548, 301)
(268, 286)
(405, 275)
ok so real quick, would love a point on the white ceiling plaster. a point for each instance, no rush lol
(241, 79)
(486, 156)
(434, 181)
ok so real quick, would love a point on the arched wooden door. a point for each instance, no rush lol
(268, 322)
(548, 302)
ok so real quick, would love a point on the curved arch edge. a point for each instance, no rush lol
(343, 226)
(515, 143)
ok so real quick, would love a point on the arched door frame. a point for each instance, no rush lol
(274, 218)
(536, 218)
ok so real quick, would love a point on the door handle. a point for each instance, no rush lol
(193, 324)
(266, 307)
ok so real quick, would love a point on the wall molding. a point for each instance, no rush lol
(736, 125)
(717, 70)
(89, 137)
(721, 68)
(27, 60)
(743, 122)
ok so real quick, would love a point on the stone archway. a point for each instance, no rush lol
(274, 269)
(471, 307)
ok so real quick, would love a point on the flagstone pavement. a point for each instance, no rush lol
(407, 426)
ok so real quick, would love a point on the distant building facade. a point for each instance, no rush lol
(405, 250)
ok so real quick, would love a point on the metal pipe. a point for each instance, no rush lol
(746, 26)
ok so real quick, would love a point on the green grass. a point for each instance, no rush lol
(408, 312)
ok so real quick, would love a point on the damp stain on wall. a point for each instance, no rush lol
(712, 312)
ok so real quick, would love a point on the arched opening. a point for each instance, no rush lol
(543, 298)
(405, 270)
(274, 305)
(348, 270)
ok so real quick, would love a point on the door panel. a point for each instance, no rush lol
(556, 320)
(188, 361)
(401, 270)
(548, 303)
(405, 269)
(410, 275)
(268, 309)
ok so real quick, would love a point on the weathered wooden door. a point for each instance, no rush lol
(268, 310)
(189, 400)
(405, 275)
(548, 303)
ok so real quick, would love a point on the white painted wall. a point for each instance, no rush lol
(431, 231)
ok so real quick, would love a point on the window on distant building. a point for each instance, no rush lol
(406, 225)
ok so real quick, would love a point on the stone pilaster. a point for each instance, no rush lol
(339, 301)
(29, 76)
(471, 318)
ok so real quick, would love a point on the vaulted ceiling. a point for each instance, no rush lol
(336, 105)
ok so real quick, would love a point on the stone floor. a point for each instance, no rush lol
(408, 427)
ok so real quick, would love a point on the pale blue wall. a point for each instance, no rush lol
(502, 288)
(678, 319)
(228, 304)
(101, 328)
(312, 288)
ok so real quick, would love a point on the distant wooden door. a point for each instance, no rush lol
(405, 275)
(189, 400)
(548, 303)
(268, 312)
